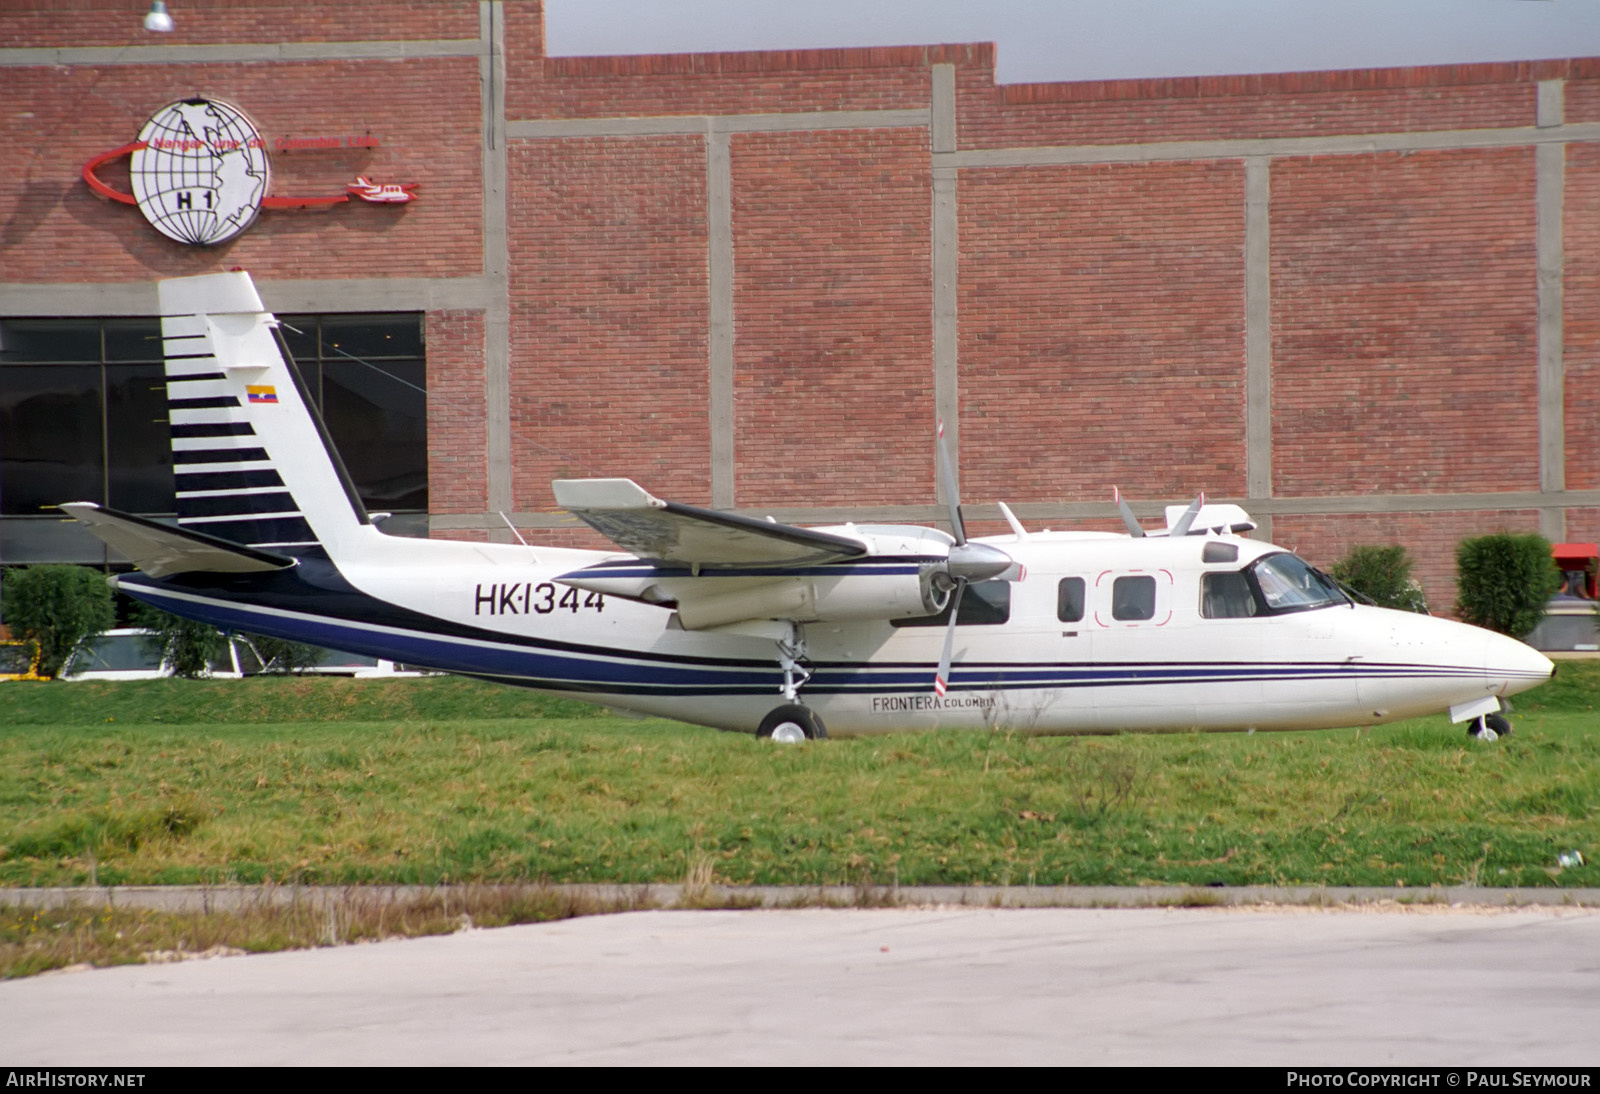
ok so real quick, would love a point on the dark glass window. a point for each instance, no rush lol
(985, 603)
(83, 417)
(1069, 600)
(368, 374)
(1133, 597)
(1226, 596)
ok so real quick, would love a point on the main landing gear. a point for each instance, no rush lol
(1489, 727)
(792, 722)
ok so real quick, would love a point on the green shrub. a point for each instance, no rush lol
(1383, 575)
(187, 645)
(57, 607)
(1504, 581)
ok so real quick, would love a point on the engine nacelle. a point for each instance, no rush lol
(911, 591)
(880, 589)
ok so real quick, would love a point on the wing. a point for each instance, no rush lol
(162, 550)
(683, 535)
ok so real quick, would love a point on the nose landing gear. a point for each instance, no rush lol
(1489, 727)
(792, 722)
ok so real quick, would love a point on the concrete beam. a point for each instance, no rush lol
(719, 286)
(1550, 162)
(1053, 514)
(243, 52)
(311, 295)
(1258, 326)
(496, 268)
(1353, 144)
(696, 124)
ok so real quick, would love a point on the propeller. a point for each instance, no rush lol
(1182, 527)
(1178, 530)
(1128, 518)
(968, 562)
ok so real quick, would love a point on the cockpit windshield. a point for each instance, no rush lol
(1289, 584)
(1273, 585)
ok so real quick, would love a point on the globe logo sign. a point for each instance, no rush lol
(200, 171)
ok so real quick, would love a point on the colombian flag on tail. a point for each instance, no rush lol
(261, 393)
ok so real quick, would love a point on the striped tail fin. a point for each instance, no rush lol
(252, 461)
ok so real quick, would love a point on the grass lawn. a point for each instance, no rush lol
(448, 780)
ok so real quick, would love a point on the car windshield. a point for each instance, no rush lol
(1289, 584)
(118, 653)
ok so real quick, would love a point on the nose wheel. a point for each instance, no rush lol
(1489, 727)
(791, 724)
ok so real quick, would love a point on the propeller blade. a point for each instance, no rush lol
(1128, 518)
(1182, 527)
(1011, 519)
(947, 483)
(941, 679)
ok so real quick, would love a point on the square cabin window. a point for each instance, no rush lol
(1133, 598)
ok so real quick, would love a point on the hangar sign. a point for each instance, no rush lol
(200, 174)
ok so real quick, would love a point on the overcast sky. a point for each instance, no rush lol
(1045, 40)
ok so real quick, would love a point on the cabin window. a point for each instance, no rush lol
(1070, 596)
(985, 603)
(1133, 597)
(1220, 552)
(1226, 596)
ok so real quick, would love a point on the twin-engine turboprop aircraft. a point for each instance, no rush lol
(751, 625)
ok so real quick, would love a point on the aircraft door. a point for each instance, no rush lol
(1133, 636)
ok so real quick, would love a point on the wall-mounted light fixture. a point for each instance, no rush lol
(158, 20)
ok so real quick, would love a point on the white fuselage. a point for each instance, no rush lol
(502, 612)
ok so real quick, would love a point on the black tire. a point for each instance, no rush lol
(785, 719)
(1498, 724)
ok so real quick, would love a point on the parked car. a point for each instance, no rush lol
(131, 653)
(19, 661)
(360, 666)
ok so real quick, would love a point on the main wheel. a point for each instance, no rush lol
(792, 724)
(1489, 727)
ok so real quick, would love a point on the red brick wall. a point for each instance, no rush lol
(833, 305)
(1430, 538)
(458, 452)
(610, 371)
(1404, 309)
(1102, 331)
(53, 23)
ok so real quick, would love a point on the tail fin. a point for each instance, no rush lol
(252, 461)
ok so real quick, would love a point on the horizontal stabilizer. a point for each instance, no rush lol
(666, 531)
(162, 550)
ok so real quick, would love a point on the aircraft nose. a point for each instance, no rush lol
(1516, 664)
